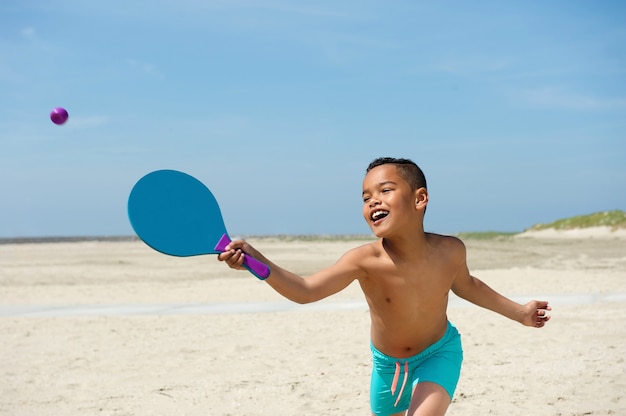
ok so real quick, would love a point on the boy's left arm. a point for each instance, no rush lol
(472, 289)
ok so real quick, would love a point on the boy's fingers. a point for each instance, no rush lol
(236, 259)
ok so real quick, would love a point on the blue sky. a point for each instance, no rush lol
(515, 110)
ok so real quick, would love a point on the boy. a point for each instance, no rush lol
(406, 276)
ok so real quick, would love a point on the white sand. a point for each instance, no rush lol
(113, 328)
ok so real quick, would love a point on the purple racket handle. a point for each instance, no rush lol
(254, 266)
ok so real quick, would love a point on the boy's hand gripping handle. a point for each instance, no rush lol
(254, 266)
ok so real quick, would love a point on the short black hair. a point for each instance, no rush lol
(407, 169)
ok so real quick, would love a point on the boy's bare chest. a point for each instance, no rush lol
(415, 282)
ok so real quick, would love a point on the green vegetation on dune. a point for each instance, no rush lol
(484, 235)
(614, 219)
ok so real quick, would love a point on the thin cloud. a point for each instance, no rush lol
(279, 6)
(86, 122)
(553, 97)
(143, 67)
(473, 65)
(28, 32)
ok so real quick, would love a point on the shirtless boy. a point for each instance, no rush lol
(405, 275)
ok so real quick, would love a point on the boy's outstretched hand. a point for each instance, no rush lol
(535, 313)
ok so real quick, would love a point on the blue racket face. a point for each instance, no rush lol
(174, 213)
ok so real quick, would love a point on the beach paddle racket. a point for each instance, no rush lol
(176, 214)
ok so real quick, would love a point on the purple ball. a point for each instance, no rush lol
(59, 115)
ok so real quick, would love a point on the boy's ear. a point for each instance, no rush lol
(421, 197)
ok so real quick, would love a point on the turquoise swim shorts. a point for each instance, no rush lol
(394, 379)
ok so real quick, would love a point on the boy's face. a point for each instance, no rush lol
(388, 201)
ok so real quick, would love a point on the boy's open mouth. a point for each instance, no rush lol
(380, 214)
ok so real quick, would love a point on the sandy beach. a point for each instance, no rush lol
(114, 328)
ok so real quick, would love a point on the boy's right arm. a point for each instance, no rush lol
(296, 288)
